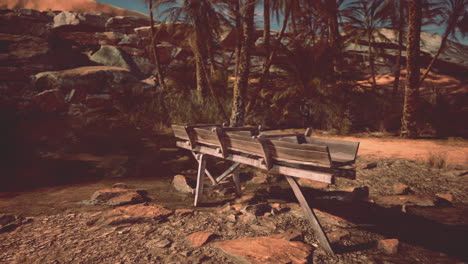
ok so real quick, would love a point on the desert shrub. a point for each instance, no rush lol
(437, 160)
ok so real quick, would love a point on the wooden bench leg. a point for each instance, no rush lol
(235, 178)
(322, 237)
(210, 176)
(200, 177)
(227, 172)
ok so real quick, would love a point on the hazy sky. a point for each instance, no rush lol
(138, 5)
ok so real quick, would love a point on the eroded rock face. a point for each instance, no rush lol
(26, 22)
(90, 79)
(50, 100)
(71, 21)
(125, 24)
(262, 250)
(399, 200)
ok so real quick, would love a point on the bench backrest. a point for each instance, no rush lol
(247, 142)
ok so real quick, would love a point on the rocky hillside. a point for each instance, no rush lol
(70, 5)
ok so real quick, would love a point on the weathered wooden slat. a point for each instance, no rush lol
(316, 226)
(227, 172)
(340, 150)
(295, 172)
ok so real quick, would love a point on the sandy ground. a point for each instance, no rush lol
(455, 153)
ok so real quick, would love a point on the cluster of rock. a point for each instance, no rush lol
(59, 61)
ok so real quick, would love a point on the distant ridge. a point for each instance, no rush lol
(69, 5)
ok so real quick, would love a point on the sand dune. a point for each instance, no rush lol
(69, 5)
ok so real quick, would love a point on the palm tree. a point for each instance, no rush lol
(241, 84)
(410, 105)
(154, 49)
(362, 22)
(203, 16)
(451, 13)
(276, 7)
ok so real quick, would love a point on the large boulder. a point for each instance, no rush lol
(88, 22)
(113, 56)
(125, 24)
(77, 83)
(26, 22)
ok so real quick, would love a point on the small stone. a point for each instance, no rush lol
(388, 246)
(231, 218)
(245, 199)
(257, 209)
(118, 196)
(338, 235)
(183, 212)
(158, 243)
(198, 239)
(312, 184)
(120, 185)
(248, 218)
(290, 235)
(180, 184)
(371, 166)
(401, 189)
(445, 196)
(237, 207)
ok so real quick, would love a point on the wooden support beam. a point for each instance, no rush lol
(200, 178)
(227, 172)
(255, 162)
(210, 176)
(310, 215)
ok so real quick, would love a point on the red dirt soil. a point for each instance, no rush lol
(454, 153)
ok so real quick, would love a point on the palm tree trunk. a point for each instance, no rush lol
(334, 38)
(266, 67)
(239, 38)
(240, 87)
(156, 59)
(410, 106)
(371, 59)
(200, 76)
(266, 28)
(396, 82)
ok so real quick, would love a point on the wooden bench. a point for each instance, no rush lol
(294, 155)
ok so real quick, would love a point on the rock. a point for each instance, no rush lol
(134, 214)
(347, 195)
(401, 189)
(92, 38)
(26, 22)
(125, 24)
(17, 48)
(98, 100)
(247, 218)
(266, 250)
(257, 209)
(180, 184)
(231, 218)
(338, 235)
(120, 185)
(183, 212)
(85, 80)
(290, 235)
(158, 243)
(84, 22)
(447, 197)
(118, 196)
(400, 200)
(246, 198)
(133, 40)
(371, 166)
(113, 56)
(388, 246)
(50, 100)
(198, 239)
(312, 184)
(6, 219)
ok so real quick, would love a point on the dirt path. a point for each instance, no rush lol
(454, 153)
